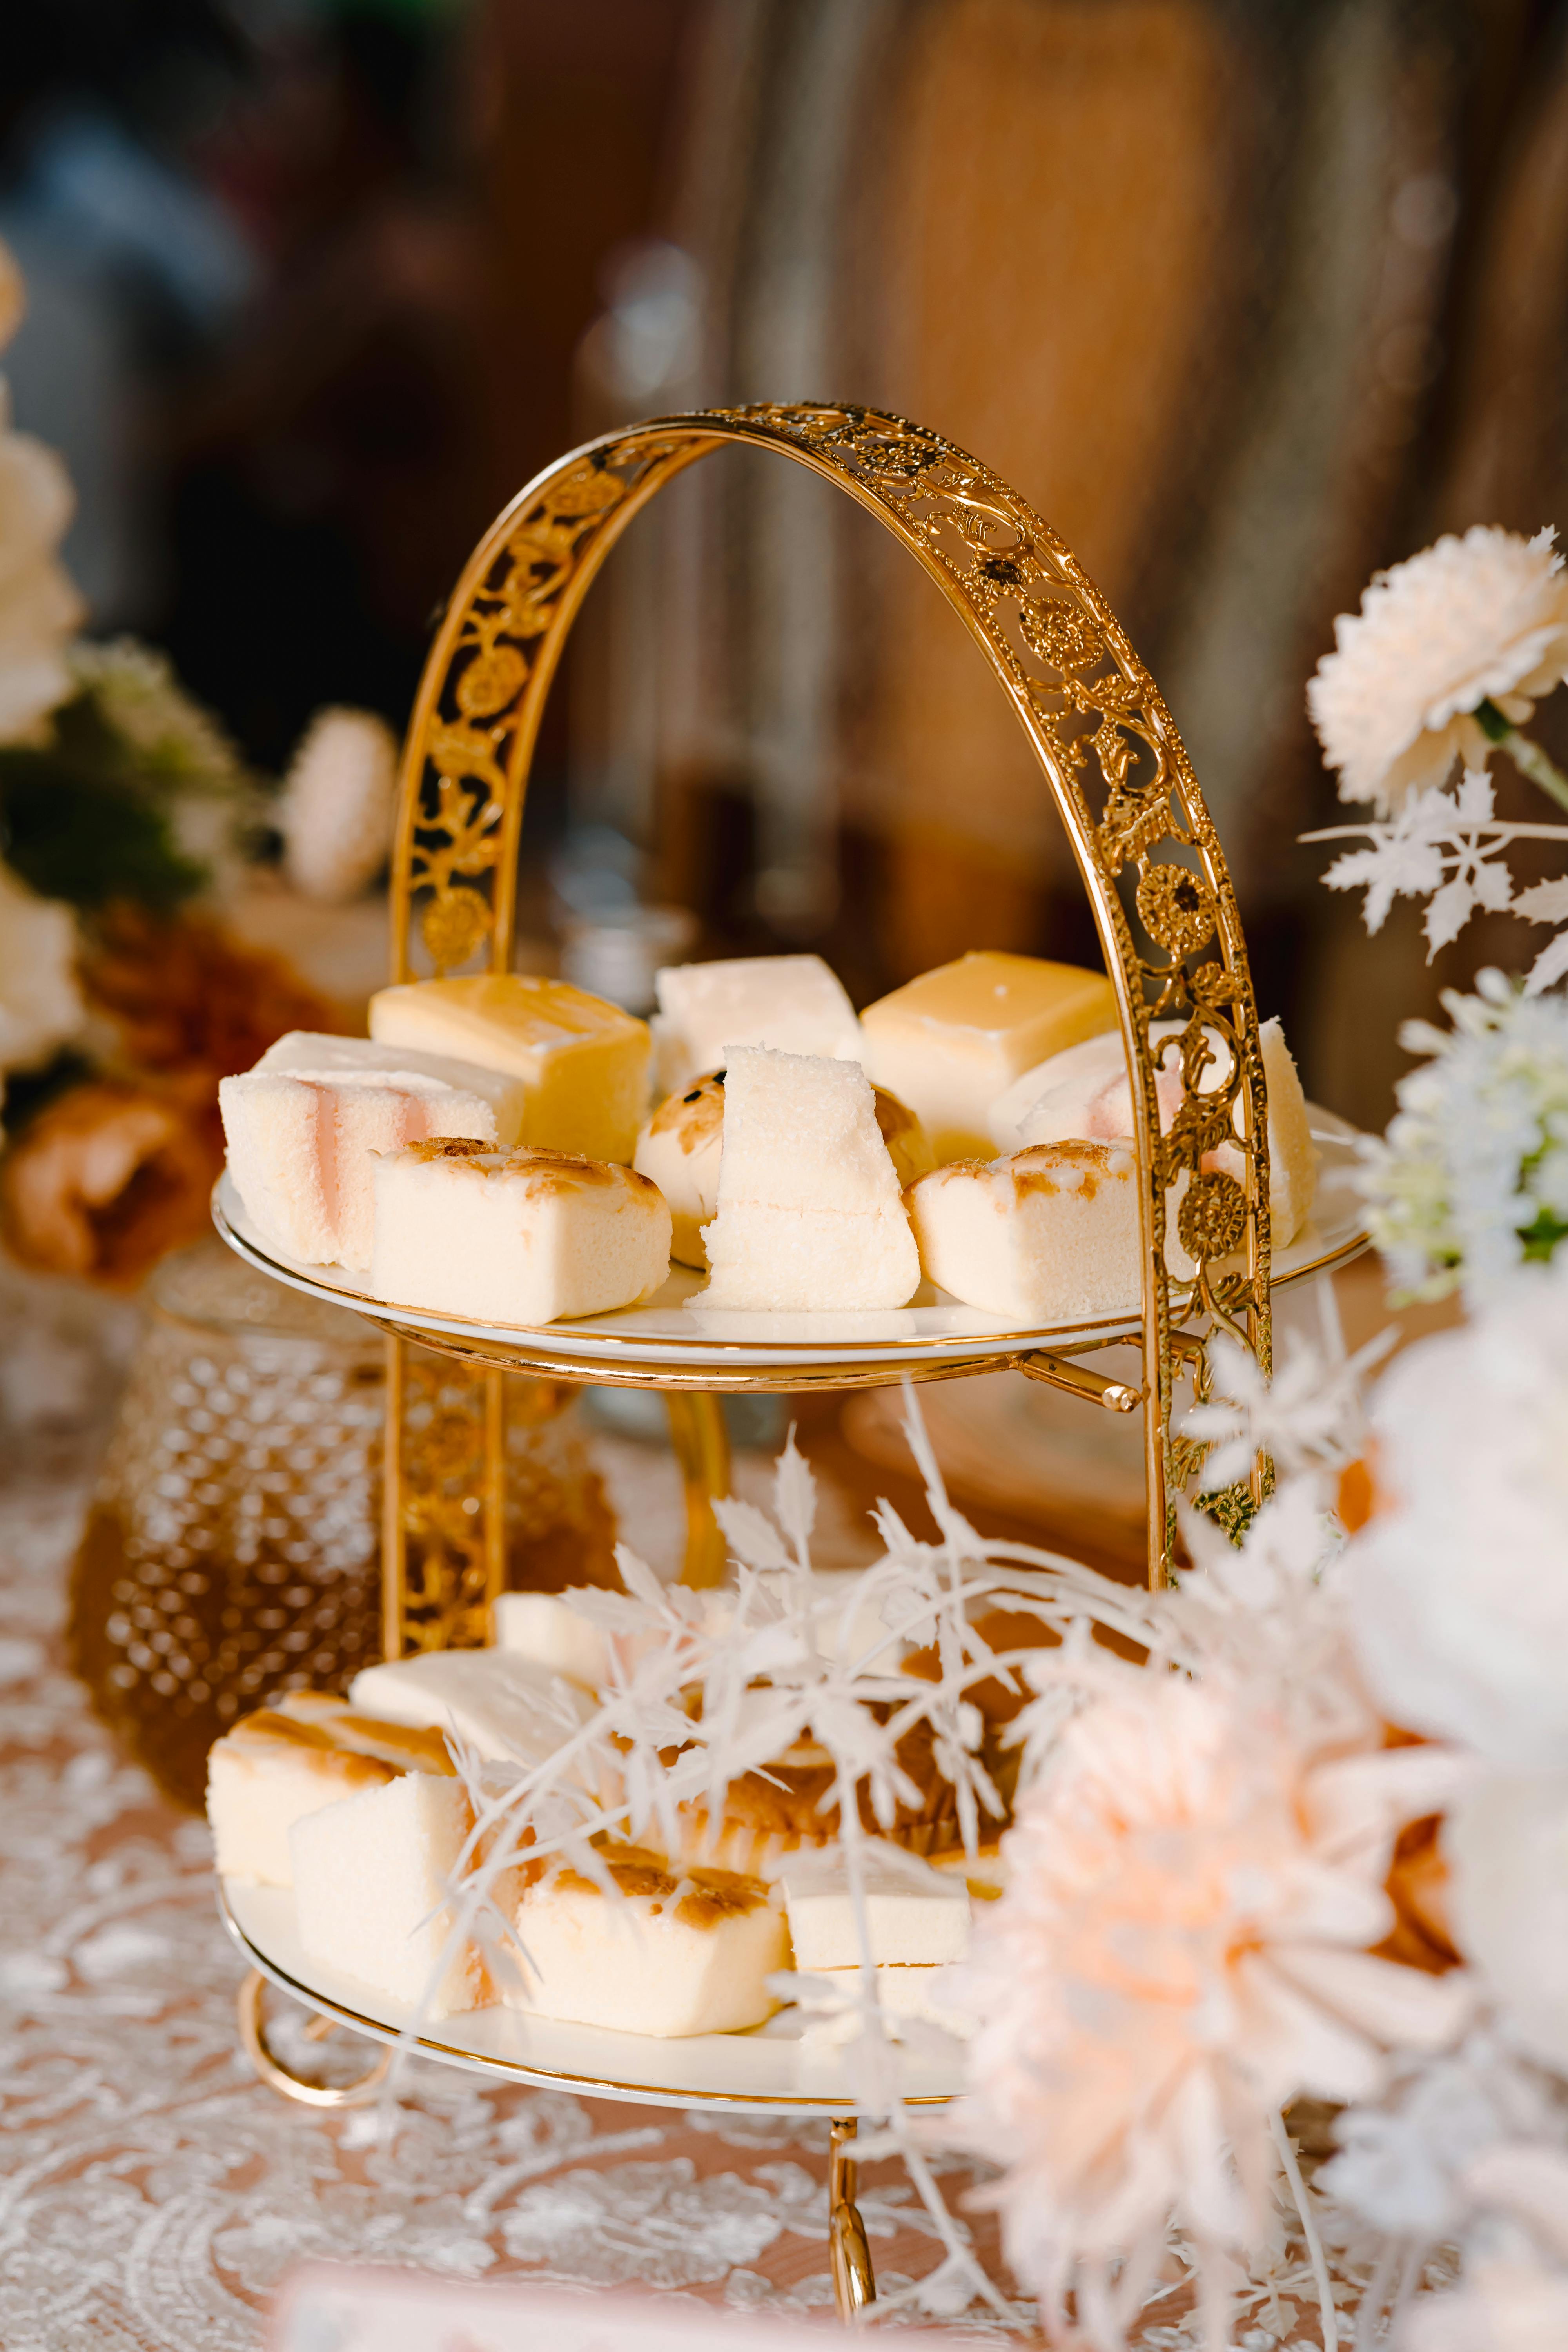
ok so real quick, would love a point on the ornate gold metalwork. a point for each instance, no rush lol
(443, 1526)
(1114, 763)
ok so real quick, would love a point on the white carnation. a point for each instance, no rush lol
(1457, 1590)
(1472, 1177)
(338, 802)
(40, 1006)
(1481, 618)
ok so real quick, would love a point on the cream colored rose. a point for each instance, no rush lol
(40, 609)
(337, 799)
(40, 1006)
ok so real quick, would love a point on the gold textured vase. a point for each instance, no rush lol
(232, 1548)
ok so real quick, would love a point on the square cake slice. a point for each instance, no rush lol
(950, 1042)
(511, 1709)
(371, 1892)
(1048, 1236)
(288, 1760)
(584, 1063)
(792, 1002)
(302, 1130)
(810, 1213)
(515, 1237)
(665, 1954)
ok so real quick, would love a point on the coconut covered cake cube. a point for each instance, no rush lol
(303, 1129)
(810, 1214)
(370, 1894)
(705, 1010)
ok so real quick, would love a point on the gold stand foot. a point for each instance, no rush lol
(853, 2280)
(275, 2076)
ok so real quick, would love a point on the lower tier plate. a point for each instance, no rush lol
(771, 2071)
(673, 1337)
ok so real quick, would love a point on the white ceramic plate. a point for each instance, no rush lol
(666, 1330)
(768, 2072)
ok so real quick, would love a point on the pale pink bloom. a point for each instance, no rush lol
(1183, 1948)
(40, 609)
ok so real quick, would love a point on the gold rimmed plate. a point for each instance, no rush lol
(771, 2071)
(674, 1339)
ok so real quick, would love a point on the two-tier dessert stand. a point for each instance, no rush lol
(1171, 934)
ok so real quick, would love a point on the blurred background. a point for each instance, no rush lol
(1248, 296)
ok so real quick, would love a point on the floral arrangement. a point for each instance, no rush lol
(1278, 1835)
(1472, 1177)
(124, 805)
(1270, 2020)
(1444, 665)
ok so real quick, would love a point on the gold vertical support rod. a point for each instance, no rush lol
(494, 1494)
(394, 1519)
(853, 2280)
(702, 1444)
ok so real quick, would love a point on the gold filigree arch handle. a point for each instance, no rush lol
(1116, 768)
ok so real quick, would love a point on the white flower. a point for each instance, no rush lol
(1472, 619)
(1511, 2305)
(1472, 1176)
(1515, 2293)
(138, 695)
(40, 1006)
(1507, 1849)
(39, 606)
(1183, 1947)
(1402, 2166)
(338, 802)
(1308, 1415)
(1456, 1590)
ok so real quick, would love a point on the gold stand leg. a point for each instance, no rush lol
(701, 1446)
(853, 2280)
(275, 2076)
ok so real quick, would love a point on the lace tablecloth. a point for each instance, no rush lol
(153, 2191)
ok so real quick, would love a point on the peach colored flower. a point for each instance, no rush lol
(1181, 1949)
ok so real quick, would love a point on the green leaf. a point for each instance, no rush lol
(75, 835)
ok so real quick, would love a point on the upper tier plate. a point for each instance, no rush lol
(691, 1338)
(768, 2072)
